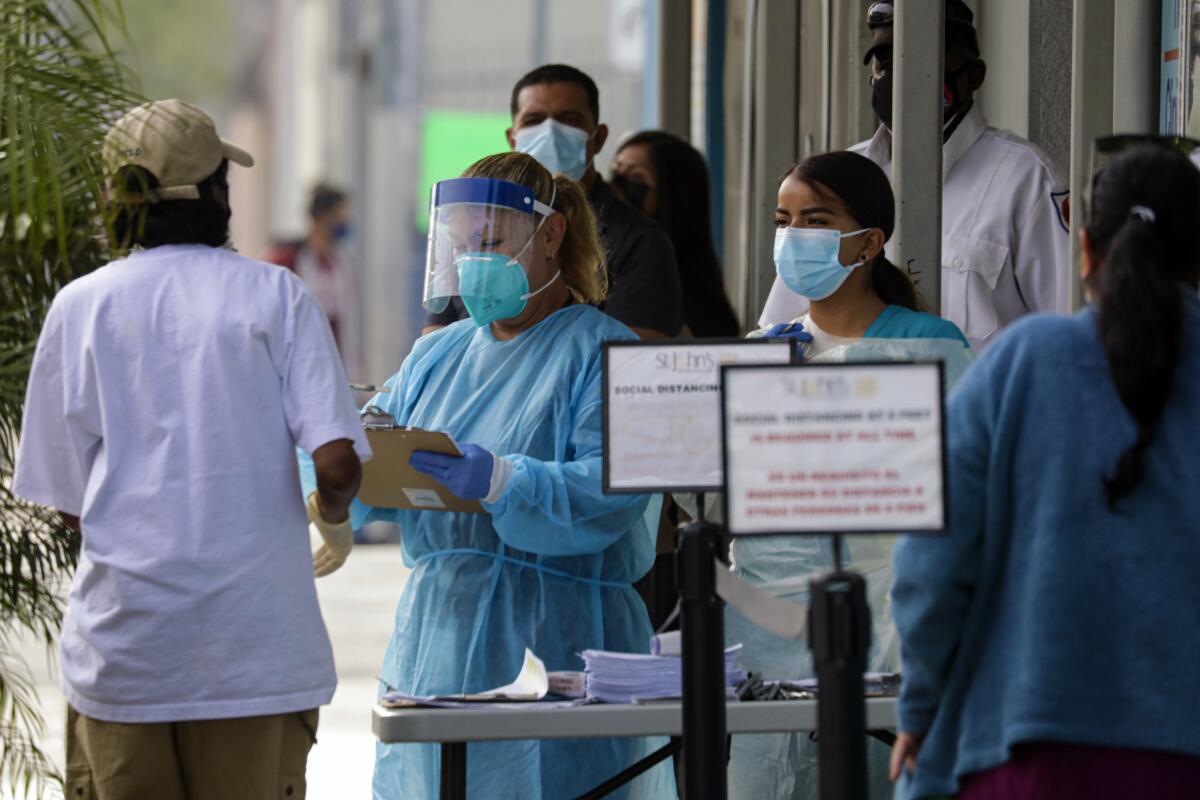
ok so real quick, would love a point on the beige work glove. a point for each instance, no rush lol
(338, 536)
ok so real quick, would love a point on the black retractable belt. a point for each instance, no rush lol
(702, 618)
(839, 635)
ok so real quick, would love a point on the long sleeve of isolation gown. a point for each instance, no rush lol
(559, 508)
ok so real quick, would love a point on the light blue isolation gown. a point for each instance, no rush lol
(784, 766)
(549, 567)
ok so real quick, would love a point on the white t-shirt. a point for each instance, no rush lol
(822, 341)
(168, 393)
(1005, 247)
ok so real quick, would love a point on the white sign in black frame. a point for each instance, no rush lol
(807, 379)
(688, 352)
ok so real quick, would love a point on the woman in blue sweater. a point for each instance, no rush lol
(1050, 640)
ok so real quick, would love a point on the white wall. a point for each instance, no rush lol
(327, 120)
(1027, 47)
(1003, 29)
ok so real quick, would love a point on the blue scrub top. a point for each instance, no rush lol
(897, 322)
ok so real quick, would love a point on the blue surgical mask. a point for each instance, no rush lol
(557, 147)
(807, 260)
(342, 231)
(494, 286)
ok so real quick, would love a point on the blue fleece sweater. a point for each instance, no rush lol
(1040, 615)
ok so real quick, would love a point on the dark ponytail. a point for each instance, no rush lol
(864, 190)
(892, 285)
(1145, 240)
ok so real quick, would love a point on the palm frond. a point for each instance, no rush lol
(61, 85)
(23, 765)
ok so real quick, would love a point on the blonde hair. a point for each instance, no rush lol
(581, 256)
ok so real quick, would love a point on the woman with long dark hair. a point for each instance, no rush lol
(1049, 639)
(666, 179)
(834, 214)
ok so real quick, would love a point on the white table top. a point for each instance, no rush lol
(485, 723)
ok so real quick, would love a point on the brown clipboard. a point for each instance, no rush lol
(389, 481)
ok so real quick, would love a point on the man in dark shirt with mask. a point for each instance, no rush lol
(556, 119)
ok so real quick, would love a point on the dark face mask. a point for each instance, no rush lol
(634, 192)
(952, 101)
(881, 98)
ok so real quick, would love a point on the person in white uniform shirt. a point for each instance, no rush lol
(1005, 243)
(167, 395)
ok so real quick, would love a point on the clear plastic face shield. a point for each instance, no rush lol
(480, 233)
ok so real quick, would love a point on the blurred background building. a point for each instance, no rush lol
(384, 97)
(381, 98)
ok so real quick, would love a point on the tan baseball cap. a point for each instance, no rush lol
(175, 142)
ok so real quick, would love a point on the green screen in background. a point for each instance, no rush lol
(451, 141)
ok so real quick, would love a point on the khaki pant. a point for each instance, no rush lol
(252, 758)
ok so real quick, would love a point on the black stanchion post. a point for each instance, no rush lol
(702, 627)
(839, 636)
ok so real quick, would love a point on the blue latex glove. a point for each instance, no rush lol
(468, 477)
(789, 330)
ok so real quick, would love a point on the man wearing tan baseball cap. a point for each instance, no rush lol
(175, 142)
(167, 396)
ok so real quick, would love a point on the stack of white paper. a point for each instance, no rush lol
(532, 683)
(628, 678)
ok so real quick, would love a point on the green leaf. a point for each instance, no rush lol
(61, 85)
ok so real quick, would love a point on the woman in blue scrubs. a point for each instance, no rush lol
(834, 214)
(550, 565)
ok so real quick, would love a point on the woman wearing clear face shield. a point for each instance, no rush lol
(551, 563)
(835, 212)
